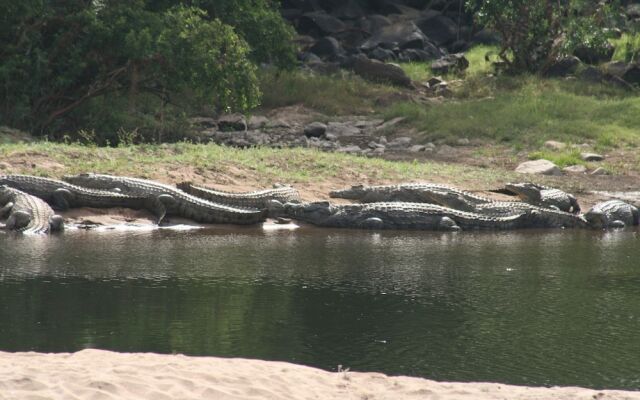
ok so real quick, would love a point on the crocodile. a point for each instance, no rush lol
(612, 214)
(62, 195)
(175, 201)
(27, 213)
(407, 192)
(544, 196)
(537, 217)
(254, 199)
(393, 215)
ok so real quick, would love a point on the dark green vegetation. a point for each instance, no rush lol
(134, 65)
(541, 308)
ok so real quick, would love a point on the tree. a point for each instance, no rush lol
(536, 32)
(57, 56)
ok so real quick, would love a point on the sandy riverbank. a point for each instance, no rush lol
(98, 374)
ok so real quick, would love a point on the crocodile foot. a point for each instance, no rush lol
(18, 220)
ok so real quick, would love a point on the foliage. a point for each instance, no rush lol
(258, 22)
(627, 47)
(535, 33)
(56, 57)
(340, 94)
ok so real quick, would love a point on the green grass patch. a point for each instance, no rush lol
(528, 110)
(562, 158)
(478, 65)
(262, 165)
(339, 94)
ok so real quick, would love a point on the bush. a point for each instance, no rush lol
(536, 32)
(57, 59)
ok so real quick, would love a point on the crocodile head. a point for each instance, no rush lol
(312, 212)
(527, 191)
(447, 198)
(353, 193)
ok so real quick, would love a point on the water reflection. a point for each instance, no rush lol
(543, 308)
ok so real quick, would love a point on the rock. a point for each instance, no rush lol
(315, 129)
(633, 11)
(416, 148)
(592, 74)
(486, 36)
(309, 58)
(377, 71)
(555, 145)
(599, 171)
(463, 142)
(257, 122)
(378, 151)
(591, 157)
(440, 29)
(341, 129)
(327, 47)
(539, 167)
(399, 143)
(232, 122)
(575, 169)
(563, 67)
(350, 149)
(5, 165)
(320, 24)
(430, 145)
(331, 137)
(203, 122)
(374, 23)
(277, 124)
(389, 124)
(430, 52)
(632, 74)
(257, 138)
(404, 35)
(450, 63)
(349, 9)
(381, 54)
(615, 68)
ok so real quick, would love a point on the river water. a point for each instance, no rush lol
(534, 308)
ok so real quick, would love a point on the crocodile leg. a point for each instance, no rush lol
(18, 220)
(6, 209)
(159, 204)
(61, 199)
(56, 222)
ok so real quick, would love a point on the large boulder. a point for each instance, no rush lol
(594, 56)
(439, 29)
(373, 23)
(539, 167)
(349, 9)
(320, 24)
(327, 47)
(377, 71)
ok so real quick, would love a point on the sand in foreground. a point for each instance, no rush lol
(98, 374)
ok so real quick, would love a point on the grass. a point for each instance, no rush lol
(562, 159)
(421, 71)
(255, 165)
(339, 94)
(528, 110)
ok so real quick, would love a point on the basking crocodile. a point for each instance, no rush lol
(255, 199)
(175, 201)
(537, 217)
(612, 214)
(27, 213)
(62, 195)
(408, 192)
(393, 215)
(544, 196)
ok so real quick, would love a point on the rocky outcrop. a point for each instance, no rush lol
(376, 71)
